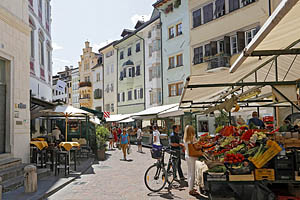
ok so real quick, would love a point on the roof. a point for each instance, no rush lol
(159, 3)
(126, 32)
(138, 24)
(108, 45)
(137, 30)
(281, 31)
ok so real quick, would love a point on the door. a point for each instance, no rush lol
(2, 106)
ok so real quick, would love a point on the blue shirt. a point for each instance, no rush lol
(256, 122)
(124, 139)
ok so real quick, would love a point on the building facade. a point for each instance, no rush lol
(66, 95)
(14, 80)
(220, 30)
(75, 87)
(87, 60)
(153, 67)
(109, 78)
(41, 49)
(131, 70)
(97, 82)
(175, 47)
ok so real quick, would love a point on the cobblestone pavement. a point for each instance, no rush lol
(114, 179)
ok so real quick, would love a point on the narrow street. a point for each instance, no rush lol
(119, 180)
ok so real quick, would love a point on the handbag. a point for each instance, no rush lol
(193, 152)
(129, 149)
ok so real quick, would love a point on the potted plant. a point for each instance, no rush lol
(102, 136)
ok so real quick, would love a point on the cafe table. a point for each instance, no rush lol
(68, 146)
(39, 144)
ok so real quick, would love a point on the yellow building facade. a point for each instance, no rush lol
(87, 60)
(220, 30)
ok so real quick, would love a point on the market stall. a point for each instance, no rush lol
(249, 162)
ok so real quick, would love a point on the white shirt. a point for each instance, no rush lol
(56, 133)
(139, 134)
(157, 134)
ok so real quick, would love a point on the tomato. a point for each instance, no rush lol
(230, 161)
(235, 161)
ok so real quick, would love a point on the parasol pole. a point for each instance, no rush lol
(66, 127)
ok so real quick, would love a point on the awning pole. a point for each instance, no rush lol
(66, 127)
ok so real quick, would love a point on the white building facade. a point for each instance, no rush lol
(97, 82)
(75, 87)
(41, 49)
(174, 16)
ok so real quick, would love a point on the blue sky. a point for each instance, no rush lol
(98, 21)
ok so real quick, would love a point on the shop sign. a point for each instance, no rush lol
(20, 106)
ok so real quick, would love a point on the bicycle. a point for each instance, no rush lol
(156, 176)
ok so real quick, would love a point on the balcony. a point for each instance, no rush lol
(217, 61)
(85, 84)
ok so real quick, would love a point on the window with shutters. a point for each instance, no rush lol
(171, 32)
(141, 93)
(179, 60)
(208, 13)
(219, 8)
(138, 47)
(171, 62)
(220, 46)
(138, 70)
(118, 97)
(123, 96)
(198, 55)
(135, 94)
(124, 73)
(234, 5)
(233, 44)
(129, 51)
(129, 95)
(197, 18)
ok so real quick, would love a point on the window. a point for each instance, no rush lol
(111, 87)
(121, 76)
(123, 96)
(133, 71)
(138, 47)
(49, 59)
(98, 94)
(118, 97)
(175, 89)
(107, 88)
(32, 43)
(179, 60)
(129, 95)
(198, 55)
(129, 51)
(138, 70)
(112, 108)
(247, 2)
(171, 32)
(149, 34)
(124, 73)
(41, 52)
(196, 18)
(156, 45)
(129, 72)
(233, 44)
(249, 35)
(150, 50)
(141, 93)
(207, 50)
(121, 55)
(234, 5)
(171, 62)
(109, 54)
(219, 8)
(135, 94)
(208, 13)
(179, 29)
(98, 77)
(221, 46)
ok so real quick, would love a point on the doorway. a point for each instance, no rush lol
(2, 106)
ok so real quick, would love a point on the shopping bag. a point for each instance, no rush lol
(129, 149)
(194, 152)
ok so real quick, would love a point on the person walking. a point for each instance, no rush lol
(111, 139)
(189, 138)
(115, 137)
(176, 146)
(139, 135)
(125, 141)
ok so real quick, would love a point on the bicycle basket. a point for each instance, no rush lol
(156, 153)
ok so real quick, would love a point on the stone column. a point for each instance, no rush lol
(0, 188)
(30, 181)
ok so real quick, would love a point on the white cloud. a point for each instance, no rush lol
(55, 46)
(137, 17)
(96, 47)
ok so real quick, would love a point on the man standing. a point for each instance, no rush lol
(256, 121)
(139, 135)
(175, 145)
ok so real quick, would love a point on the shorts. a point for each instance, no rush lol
(139, 141)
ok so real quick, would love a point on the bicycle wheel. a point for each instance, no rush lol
(155, 178)
(170, 177)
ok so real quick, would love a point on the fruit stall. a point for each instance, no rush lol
(250, 162)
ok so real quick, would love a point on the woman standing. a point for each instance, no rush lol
(125, 141)
(111, 139)
(115, 137)
(189, 138)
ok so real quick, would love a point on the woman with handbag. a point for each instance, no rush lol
(192, 152)
(125, 141)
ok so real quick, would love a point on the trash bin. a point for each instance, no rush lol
(30, 179)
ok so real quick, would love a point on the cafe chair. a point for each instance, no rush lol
(38, 155)
(62, 162)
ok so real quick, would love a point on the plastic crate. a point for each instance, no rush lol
(265, 174)
(215, 176)
(273, 150)
(284, 162)
(285, 175)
